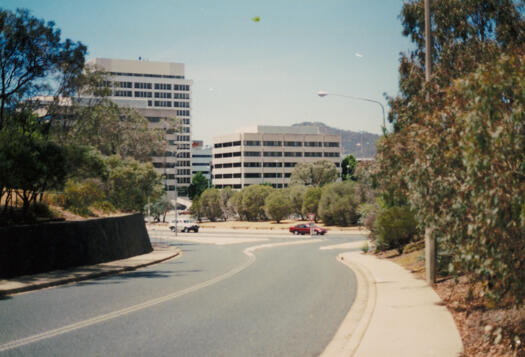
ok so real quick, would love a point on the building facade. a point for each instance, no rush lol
(268, 154)
(156, 90)
(201, 157)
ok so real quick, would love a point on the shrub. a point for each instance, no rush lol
(278, 205)
(312, 196)
(81, 195)
(394, 228)
(252, 206)
(338, 204)
(210, 202)
(364, 247)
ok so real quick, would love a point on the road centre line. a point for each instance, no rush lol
(149, 303)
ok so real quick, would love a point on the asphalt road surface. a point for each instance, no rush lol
(214, 300)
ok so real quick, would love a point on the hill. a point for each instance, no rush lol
(358, 144)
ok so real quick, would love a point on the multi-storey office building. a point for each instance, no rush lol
(156, 90)
(201, 157)
(268, 154)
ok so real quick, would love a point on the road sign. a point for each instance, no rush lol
(311, 216)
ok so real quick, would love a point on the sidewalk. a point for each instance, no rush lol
(60, 277)
(394, 314)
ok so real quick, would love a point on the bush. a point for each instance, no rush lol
(394, 228)
(278, 205)
(210, 202)
(252, 206)
(312, 196)
(338, 204)
(81, 195)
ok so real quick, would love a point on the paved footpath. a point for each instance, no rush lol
(394, 314)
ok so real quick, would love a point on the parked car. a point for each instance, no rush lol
(184, 225)
(305, 229)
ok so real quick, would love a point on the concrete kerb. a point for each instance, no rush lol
(354, 326)
(62, 277)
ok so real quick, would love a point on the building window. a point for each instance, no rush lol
(313, 154)
(252, 143)
(217, 156)
(162, 103)
(273, 164)
(293, 154)
(252, 175)
(238, 175)
(290, 164)
(181, 104)
(162, 95)
(272, 154)
(331, 154)
(122, 93)
(252, 153)
(142, 94)
(331, 144)
(313, 143)
(142, 85)
(252, 164)
(272, 143)
(272, 174)
(293, 143)
(163, 86)
(122, 84)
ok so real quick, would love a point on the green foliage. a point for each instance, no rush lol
(252, 202)
(394, 228)
(29, 165)
(81, 195)
(130, 183)
(348, 166)
(318, 173)
(338, 204)
(226, 194)
(196, 209)
(34, 59)
(210, 204)
(312, 196)
(278, 205)
(235, 204)
(457, 151)
(159, 208)
(84, 162)
(198, 185)
(297, 193)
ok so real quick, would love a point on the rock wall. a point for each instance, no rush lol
(50, 246)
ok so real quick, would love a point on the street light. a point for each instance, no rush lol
(324, 94)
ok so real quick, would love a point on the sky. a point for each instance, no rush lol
(248, 72)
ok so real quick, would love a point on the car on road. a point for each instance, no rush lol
(305, 229)
(184, 225)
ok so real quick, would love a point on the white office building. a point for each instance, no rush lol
(156, 90)
(201, 157)
(268, 154)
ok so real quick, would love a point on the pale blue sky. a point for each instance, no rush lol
(248, 72)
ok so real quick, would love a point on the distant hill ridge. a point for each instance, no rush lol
(358, 144)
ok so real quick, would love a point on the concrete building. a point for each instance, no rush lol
(268, 154)
(201, 157)
(156, 90)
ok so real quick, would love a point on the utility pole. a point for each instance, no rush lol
(430, 241)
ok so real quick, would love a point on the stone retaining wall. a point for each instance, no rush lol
(51, 246)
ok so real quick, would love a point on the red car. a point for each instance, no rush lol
(305, 229)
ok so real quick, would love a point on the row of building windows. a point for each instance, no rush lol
(171, 165)
(145, 75)
(167, 103)
(122, 93)
(253, 175)
(238, 186)
(202, 156)
(183, 113)
(330, 144)
(255, 164)
(277, 154)
(142, 94)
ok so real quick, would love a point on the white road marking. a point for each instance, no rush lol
(149, 303)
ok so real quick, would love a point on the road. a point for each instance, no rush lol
(214, 300)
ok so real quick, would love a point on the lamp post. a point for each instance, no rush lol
(324, 94)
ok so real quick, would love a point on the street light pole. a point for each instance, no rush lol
(324, 94)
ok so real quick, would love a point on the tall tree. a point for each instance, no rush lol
(348, 168)
(198, 185)
(318, 173)
(34, 60)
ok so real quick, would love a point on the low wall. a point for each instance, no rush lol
(51, 246)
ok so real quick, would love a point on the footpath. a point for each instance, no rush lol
(394, 314)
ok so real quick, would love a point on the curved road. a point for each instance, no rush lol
(214, 300)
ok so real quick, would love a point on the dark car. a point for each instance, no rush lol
(305, 229)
